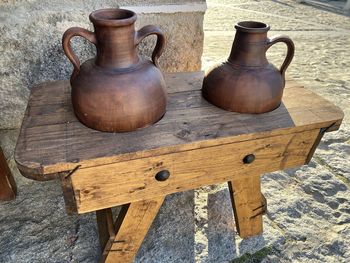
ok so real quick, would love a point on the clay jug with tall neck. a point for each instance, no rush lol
(247, 82)
(116, 91)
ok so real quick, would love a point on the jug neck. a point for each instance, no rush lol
(116, 46)
(115, 34)
(250, 45)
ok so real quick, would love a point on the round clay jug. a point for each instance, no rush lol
(247, 82)
(116, 91)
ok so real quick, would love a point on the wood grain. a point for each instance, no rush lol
(106, 229)
(68, 194)
(52, 140)
(131, 230)
(198, 143)
(8, 188)
(134, 180)
(247, 204)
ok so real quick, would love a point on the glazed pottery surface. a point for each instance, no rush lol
(116, 91)
(247, 82)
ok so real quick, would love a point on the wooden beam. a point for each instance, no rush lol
(8, 189)
(132, 225)
(124, 182)
(106, 229)
(68, 194)
(248, 205)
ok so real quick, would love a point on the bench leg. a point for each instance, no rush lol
(120, 240)
(106, 228)
(8, 187)
(248, 205)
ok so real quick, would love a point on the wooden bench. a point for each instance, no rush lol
(195, 144)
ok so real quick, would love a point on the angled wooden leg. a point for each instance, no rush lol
(248, 205)
(106, 229)
(131, 227)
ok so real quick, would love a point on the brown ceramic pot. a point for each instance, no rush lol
(247, 82)
(116, 91)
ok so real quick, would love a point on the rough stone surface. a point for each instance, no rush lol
(184, 35)
(308, 216)
(31, 52)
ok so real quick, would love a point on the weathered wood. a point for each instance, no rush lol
(132, 226)
(52, 140)
(248, 205)
(316, 143)
(198, 143)
(68, 194)
(8, 188)
(134, 180)
(106, 229)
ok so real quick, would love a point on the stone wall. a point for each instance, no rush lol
(30, 43)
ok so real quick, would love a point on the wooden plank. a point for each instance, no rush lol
(247, 204)
(134, 180)
(45, 113)
(8, 189)
(52, 140)
(132, 228)
(186, 135)
(53, 114)
(185, 81)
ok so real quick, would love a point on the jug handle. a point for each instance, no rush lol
(72, 32)
(159, 48)
(290, 50)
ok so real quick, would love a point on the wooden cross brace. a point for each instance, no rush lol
(120, 239)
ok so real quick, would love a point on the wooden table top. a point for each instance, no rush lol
(52, 140)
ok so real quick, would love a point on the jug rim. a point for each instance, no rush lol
(113, 17)
(252, 26)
